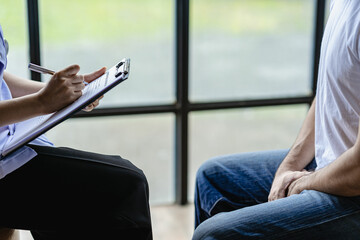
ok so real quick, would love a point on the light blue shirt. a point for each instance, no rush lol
(24, 154)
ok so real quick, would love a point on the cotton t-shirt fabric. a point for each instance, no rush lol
(24, 154)
(338, 91)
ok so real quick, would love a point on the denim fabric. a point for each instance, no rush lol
(231, 203)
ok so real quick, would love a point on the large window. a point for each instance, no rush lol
(207, 76)
(146, 140)
(100, 33)
(250, 49)
(214, 133)
(13, 22)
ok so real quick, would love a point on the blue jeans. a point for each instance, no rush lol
(231, 203)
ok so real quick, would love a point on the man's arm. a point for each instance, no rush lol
(341, 177)
(299, 156)
(20, 87)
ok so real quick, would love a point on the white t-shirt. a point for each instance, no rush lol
(338, 91)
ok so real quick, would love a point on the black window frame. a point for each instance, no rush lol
(182, 106)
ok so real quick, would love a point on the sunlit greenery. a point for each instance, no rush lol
(13, 20)
(103, 19)
(251, 16)
(69, 20)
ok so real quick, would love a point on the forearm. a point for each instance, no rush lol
(20, 109)
(20, 87)
(37, 99)
(341, 177)
(303, 150)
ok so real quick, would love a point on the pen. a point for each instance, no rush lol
(39, 69)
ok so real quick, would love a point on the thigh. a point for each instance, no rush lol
(64, 188)
(309, 215)
(234, 181)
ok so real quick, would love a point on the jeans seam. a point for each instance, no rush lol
(212, 207)
(221, 198)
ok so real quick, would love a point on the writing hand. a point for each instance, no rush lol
(63, 88)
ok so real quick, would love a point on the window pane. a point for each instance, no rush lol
(250, 49)
(12, 20)
(147, 141)
(327, 10)
(214, 133)
(96, 33)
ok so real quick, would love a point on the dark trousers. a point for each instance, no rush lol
(68, 194)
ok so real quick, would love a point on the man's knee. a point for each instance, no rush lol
(207, 169)
(211, 229)
(225, 226)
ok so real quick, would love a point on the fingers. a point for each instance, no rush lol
(88, 108)
(291, 188)
(77, 79)
(65, 87)
(277, 193)
(92, 76)
(76, 95)
(93, 105)
(78, 86)
(281, 184)
(71, 79)
(71, 70)
(96, 103)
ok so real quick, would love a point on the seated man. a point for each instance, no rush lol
(311, 191)
(62, 193)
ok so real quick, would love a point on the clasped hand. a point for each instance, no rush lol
(65, 87)
(288, 183)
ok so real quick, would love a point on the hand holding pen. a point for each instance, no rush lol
(64, 87)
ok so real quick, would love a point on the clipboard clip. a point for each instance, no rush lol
(123, 67)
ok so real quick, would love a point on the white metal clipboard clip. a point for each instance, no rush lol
(123, 67)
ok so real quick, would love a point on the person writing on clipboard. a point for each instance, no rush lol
(63, 193)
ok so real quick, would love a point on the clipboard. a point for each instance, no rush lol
(39, 125)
